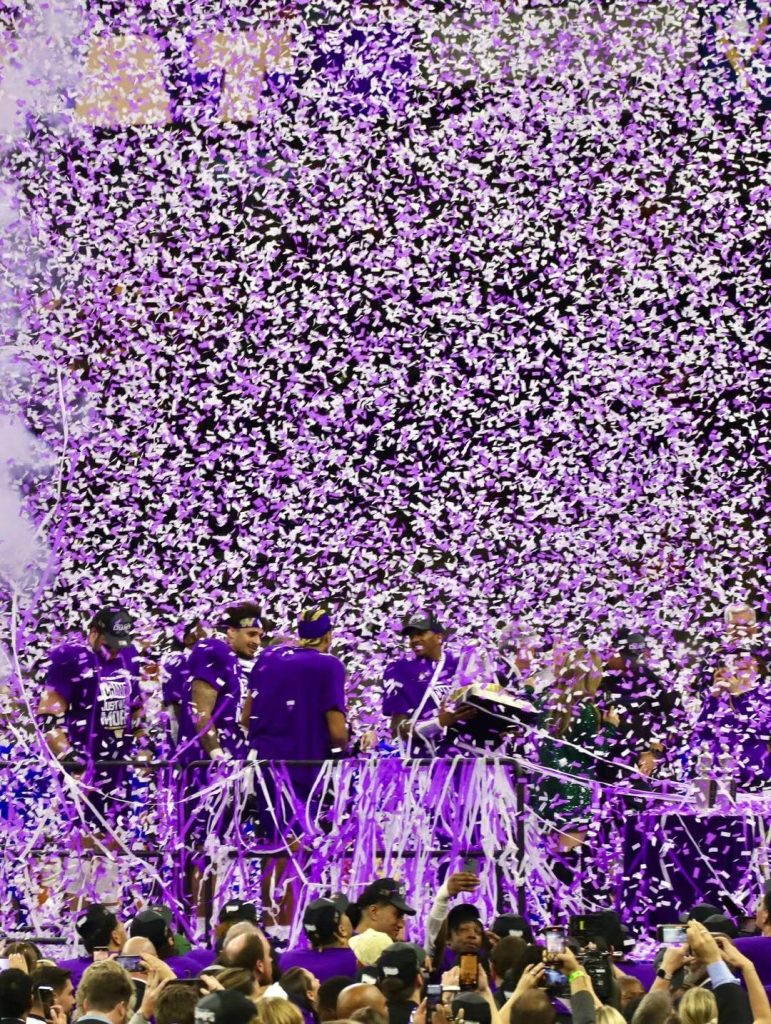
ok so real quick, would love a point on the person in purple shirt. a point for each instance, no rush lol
(209, 728)
(418, 688)
(295, 709)
(327, 928)
(98, 928)
(175, 674)
(91, 707)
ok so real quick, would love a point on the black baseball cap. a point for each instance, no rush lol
(419, 622)
(226, 1007)
(476, 1009)
(95, 924)
(461, 914)
(719, 924)
(401, 960)
(116, 626)
(512, 924)
(151, 925)
(385, 890)
(238, 910)
(322, 918)
(700, 913)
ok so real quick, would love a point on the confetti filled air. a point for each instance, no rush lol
(384, 510)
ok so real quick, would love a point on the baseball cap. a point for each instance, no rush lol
(475, 1008)
(461, 914)
(116, 626)
(164, 911)
(700, 913)
(226, 1007)
(368, 945)
(151, 925)
(419, 622)
(512, 924)
(322, 918)
(719, 924)
(401, 960)
(95, 924)
(385, 890)
(238, 910)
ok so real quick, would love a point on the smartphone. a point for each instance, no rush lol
(131, 963)
(46, 996)
(101, 953)
(471, 866)
(433, 999)
(554, 979)
(671, 935)
(468, 964)
(555, 938)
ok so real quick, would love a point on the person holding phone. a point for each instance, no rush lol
(51, 986)
(465, 880)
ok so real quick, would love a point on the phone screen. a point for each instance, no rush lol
(673, 935)
(471, 866)
(469, 971)
(555, 940)
(131, 963)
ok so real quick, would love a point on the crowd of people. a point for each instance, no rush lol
(232, 694)
(359, 962)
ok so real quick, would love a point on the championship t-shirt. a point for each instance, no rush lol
(214, 662)
(292, 689)
(101, 693)
(322, 963)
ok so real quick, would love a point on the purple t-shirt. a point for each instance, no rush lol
(406, 682)
(175, 676)
(76, 967)
(101, 694)
(292, 689)
(214, 662)
(323, 963)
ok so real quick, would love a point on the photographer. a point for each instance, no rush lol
(451, 981)
(51, 985)
(733, 1004)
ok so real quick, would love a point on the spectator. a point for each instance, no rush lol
(27, 949)
(277, 1011)
(608, 1015)
(698, 1006)
(233, 912)
(234, 1008)
(328, 929)
(629, 988)
(354, 997)
(250, 951)
(369, 1015)
(329, 991)
(401, 981)
(302, 989)
(512, 925)
(97, 926)
(239, 979)
(533, 1007)
(454, 885)
(506, 956)
(59, 981)
(655, 1008)
(15, 996)
(105, 992)
(176, 1004)
(367, 948)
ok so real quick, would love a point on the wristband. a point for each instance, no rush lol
(575, 975)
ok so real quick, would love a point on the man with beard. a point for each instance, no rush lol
(417, 689)
(90, 710)
(213, 690)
